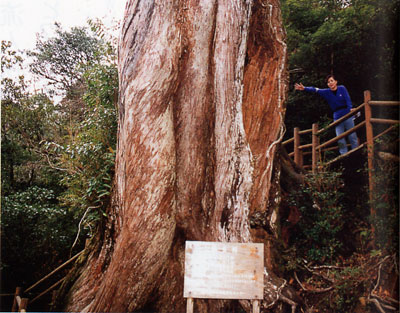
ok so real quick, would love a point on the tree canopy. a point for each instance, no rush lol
(64, 58)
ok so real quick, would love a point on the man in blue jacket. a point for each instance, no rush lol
(339, 101)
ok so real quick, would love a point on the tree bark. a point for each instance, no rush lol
(201, 111)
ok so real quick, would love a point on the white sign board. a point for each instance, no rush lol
(224, 270)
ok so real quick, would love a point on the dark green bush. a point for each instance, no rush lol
(36, 234)
(385, 197)
(319, 202)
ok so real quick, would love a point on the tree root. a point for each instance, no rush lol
(275, 290)
(378, 301)
(324, 274)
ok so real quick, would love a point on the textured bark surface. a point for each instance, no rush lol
(202, 90)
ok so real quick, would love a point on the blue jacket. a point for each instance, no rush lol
(340, 103)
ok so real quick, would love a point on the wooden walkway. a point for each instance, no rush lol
(318, 150)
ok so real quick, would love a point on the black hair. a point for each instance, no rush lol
(329, 76)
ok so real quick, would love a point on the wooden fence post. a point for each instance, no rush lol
(18, 291)
(296, 145)
(370, 151)
(24, 305)
(314, 146)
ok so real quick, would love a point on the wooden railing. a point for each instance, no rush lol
(20, 304)
(316, 148)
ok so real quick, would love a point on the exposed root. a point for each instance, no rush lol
(277, 289)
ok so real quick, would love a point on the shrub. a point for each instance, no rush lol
(319, 202)
(37, 231)
(385, 199)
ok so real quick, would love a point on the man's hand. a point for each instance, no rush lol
(298, 86)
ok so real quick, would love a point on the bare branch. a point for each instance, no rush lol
(53, 166)
(373, 294)
(326, 267)
(80, 222)
(379, 273)
(317, 290)
(320, 274)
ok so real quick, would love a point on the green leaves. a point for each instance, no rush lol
(27, 120)
(319, 201)
(385, 201)
(64, 58)
(89, 155)
(35, 229)
(102, 85)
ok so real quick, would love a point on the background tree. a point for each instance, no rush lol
(34, 226)
(202, 90)
(27, 120)
(82, 63)
(57, 163)
(63, 59)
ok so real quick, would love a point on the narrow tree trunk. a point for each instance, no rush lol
(202, 90)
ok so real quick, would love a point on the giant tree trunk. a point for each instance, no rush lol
(202, 90)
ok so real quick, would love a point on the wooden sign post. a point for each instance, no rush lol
(224, 270)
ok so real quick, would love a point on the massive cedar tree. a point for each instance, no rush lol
(201, 112)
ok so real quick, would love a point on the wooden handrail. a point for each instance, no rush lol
(384, 132)
(15, 305)
(303, 153)
(314, 144)
(383, 121)
(308, 145)
(342, 119)
(288, 141)
(343, 135)
(384, 103)
(305, 131)
(53, 272)
(20, 304)
(298, 157)
(303, 147)
(301, 132)
(370, 154)
(48, 289)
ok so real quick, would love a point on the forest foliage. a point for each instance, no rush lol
(58, 156)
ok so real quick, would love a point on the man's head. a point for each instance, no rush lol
(331, 82)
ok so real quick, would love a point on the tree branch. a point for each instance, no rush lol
(320, 274)
(311, 290)
(79, 225)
